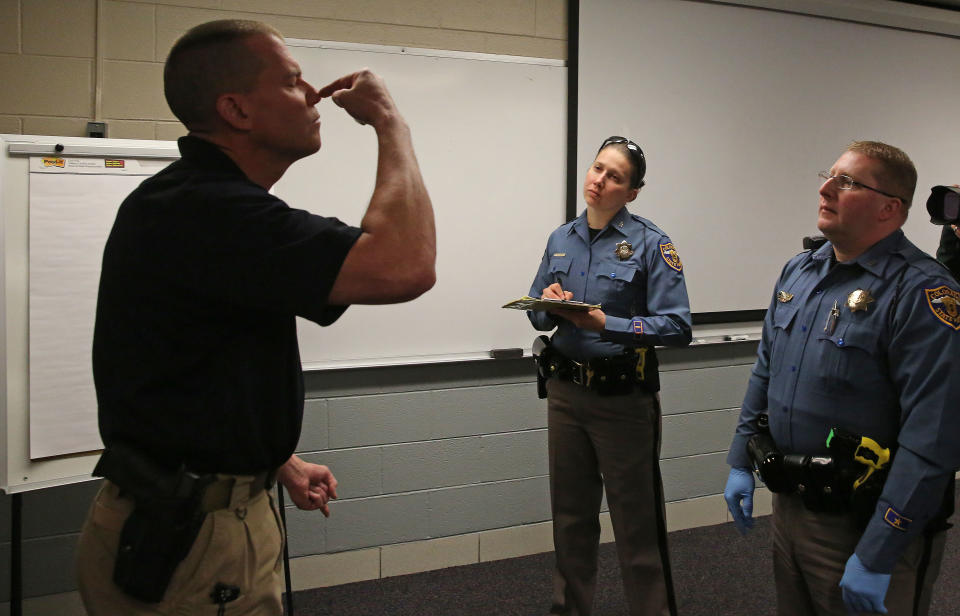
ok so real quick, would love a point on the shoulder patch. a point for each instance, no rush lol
(896, 519)
(670, 256)
(944, 303)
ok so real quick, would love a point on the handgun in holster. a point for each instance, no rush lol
(541, 354)
(164, 523)
(767, 460)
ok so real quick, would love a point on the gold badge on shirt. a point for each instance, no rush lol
(783, 297)
(859, 300)
(623, 250)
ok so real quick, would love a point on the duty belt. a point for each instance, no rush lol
(591, 372)
(849, 477)
(606, 375)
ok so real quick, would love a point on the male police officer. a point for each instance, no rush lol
(195, 355)
(862, 337)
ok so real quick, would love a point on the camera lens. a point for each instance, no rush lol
(951, 206)
(944, 205)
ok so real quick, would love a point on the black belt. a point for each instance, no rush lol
(144, 480)
(617, 374)
(216, 495)
(593, 371)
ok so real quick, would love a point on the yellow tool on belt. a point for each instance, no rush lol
(866, 451)
(872, 455)
(641, 363)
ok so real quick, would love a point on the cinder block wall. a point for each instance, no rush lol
(65, 62)
(419, 458)
(461, 451)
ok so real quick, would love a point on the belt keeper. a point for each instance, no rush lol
(218, 494)
(263, 481)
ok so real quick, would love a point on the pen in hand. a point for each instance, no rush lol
(556, 292)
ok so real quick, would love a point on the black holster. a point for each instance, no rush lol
(163, 525)
(540, 351)
(768, 461)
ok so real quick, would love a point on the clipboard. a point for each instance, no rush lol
(531, 303)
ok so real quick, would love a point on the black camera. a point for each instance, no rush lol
(944, 205)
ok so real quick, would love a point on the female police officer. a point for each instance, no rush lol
(603, 406)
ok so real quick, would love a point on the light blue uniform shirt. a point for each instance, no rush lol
(643, 296)
(886, 369)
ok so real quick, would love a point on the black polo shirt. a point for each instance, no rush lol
(195, 355)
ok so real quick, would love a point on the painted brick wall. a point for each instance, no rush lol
(57, 55)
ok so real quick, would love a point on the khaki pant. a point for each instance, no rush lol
(612, 441)
(810, 551)
(240, 546)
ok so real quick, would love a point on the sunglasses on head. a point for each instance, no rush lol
(635, 152)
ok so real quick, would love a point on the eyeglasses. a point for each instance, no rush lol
(845, 182)
(638, 158)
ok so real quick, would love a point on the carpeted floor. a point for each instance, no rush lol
(716, 573)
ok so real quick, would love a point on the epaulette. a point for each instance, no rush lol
(646, 222)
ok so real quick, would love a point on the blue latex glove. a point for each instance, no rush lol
(739, 497)
(863, 590)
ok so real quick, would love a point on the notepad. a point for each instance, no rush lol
(531, 303)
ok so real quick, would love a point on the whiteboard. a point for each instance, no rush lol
(737, 109)
(490, 136)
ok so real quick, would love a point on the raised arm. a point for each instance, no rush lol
(394, 259)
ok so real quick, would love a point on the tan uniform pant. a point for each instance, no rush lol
(612, 441)
(240, 545)
(810, 551)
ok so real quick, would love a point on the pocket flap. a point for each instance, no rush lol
(560, 265)
(618, 271)
(849, 335)
(783, 315)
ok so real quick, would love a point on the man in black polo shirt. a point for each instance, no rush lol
(195, 355)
